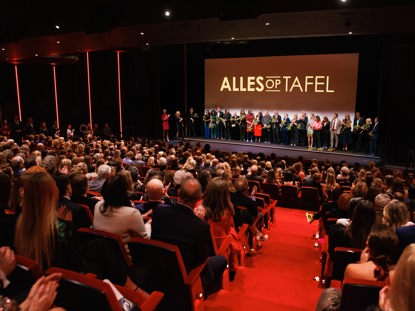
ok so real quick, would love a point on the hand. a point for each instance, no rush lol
(254, 190)
(7, 260)
(42, 294)
(383, 298)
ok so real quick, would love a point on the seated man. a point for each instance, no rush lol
(154, 196)
(178, 225)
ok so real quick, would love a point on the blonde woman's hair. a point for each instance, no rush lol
(36, 226)
(403, 282)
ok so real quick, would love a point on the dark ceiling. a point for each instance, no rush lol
(27, 28)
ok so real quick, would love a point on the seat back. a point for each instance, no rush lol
(271, 189)
(289, 196)
(160, 267)
(82, 292)
(252, 183)
(105, 255)
(358, 295)
(310, 199)
(265, 196)
(88, 211)
(24, 275)
(342, 257)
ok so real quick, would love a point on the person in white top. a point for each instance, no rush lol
(335, 127)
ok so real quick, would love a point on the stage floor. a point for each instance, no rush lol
(284, 151)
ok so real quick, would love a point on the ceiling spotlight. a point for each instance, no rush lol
(267, 24)
(58, 42)
(147, 44)
(57, 27)
(232, 38)
(167, 13)
(141, 33)
(343, 0)
(36, 54)
(3, 49)
(350, 32)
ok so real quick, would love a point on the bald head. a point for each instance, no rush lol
(190, 192)
(154, 189)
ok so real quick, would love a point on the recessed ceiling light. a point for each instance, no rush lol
(3, 49)
(167, 13)
(147, 44)
(36, 54)
(58, 42)
(267, 24)
(350, 32)
(232, 38)
(343, 0)
(141, 33)
(57, 27)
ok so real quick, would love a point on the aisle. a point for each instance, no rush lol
(281, 276)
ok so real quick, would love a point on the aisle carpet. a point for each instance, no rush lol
(281, 275)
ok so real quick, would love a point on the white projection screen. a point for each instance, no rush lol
(322, 84)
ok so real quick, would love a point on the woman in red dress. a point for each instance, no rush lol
(165, 123)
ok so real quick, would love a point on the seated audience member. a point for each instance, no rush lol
(68, 210)
(104, 171)
(219, 214)
(246, 208)
(378, 256)
(380, 202)
(79, 185)
(179, 225)
(396, 214)
(406, 236)
(41, 295)
(255, 175)
(7, 218)
(154, 196)
(355, 235)
(329, 300)
(40, 234)
(399, 295)
(115, 213)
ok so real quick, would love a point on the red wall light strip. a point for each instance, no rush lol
(16, 73)
(119, 91)
(56, 95)
(89, 88)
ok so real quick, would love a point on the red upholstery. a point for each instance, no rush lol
(358, 295)
(88, 211)
(310, 199)
(272, 189)
(289, 196)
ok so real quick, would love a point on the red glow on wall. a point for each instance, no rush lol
(119, 91)
(89, 88)
(56, 95)
(16, 73)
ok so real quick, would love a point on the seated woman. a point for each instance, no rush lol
(40, 234)
(378, 256)
(396, 214)
(116, 214)
(219, 214)
(399, 294)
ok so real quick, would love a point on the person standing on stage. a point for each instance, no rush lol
(221, 124)
(179, 125)
(325, 133)
(310, 131)
(242, 125)
(285, 129)
(266, 127)
(294, 130)
(302, 130)
(250, 126)
(317, 126)
(227, 122)
(234, 126)
(374, 138)
(16, 130)
(258, 127)
(206, 123)
(276, 136)
(193, 122)
(213, 124)
(165, 125)
(358, 122)
(335, 127)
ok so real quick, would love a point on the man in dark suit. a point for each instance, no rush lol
(374, 137)
(358, 122)
(73, 214)
(179, 225)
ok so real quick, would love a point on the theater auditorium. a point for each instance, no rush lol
(222, 155)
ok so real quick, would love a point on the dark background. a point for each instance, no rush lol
(172, 77)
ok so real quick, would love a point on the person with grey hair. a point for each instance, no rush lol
(380, 202)
(329, 300)
(180, 176)
(49, 163)
(104, 172)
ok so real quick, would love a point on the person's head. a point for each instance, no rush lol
(104, 171)
(241, 185)
(63, 184)
(79, 184)
(395, 214)
(190, 192)
(216, 199)
(329, 300)
(401, 296)
(359, 189)
(35, 228)
(362, 220)
(382, 243)
(204, 178)
(115, 192)
(154, 189)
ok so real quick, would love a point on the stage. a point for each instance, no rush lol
(284, 151)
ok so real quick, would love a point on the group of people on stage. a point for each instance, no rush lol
(310, 130)
(192, 124)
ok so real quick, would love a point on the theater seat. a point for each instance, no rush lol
(289, 196)
(78, 291)
(358, 295)
(310, 199)
(160, 267)
(342, 257)
(271, 189)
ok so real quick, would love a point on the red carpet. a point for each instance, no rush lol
(281, 276)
